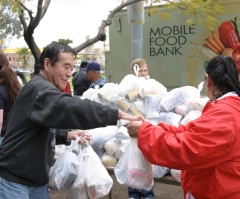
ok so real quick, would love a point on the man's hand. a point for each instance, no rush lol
(133, 128)
(73, 135)
(126, 116)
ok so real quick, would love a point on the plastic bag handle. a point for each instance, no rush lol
(86, 145)
(136, 69)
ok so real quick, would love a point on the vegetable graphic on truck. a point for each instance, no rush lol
(225, 41)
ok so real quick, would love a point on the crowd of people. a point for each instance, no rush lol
(205, 149)
(27, 150)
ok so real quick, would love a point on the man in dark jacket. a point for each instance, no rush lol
(26, 153)
(80, 81)
(94, 75)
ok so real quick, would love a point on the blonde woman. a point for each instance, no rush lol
(139, 68)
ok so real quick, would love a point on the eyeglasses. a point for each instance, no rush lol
(94, 71)
(89, 71)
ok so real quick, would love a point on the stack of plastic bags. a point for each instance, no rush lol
(113, 145)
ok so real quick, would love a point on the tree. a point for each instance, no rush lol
(200, 8)
(23, 56)
(9, 23)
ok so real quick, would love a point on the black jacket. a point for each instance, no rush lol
(80, 83)
(26, 153)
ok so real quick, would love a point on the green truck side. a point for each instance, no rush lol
(172, 59)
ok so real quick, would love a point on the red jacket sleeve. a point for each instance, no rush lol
(200, 144)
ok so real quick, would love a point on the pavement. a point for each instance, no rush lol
(161, 191)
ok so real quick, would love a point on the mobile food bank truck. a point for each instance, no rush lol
(175, 52)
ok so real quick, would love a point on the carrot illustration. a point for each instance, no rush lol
(216, 37)
(214, 44)
(210, 46)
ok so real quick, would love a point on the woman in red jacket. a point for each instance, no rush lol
(207, 149)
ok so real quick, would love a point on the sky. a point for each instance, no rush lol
(69, 19)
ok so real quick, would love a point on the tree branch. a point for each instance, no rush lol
(25, 8)
(45, 7)
(170, 2)
(35, 21)
(23, 22)
(101, 36)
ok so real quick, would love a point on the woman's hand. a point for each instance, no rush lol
(133, 128)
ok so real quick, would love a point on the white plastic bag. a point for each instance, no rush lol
(133, 169)
(123, 147)
(178, 96)
(97, 181)
(140, 104)
(112, 146)
(75, 193)
(170, 118)
(107, 91)
(108, 160)
(126, 85)
(152, 104)
(151, 87)
(101, 135)
(78, 189)
(160, 171)
(60, 149)
(176, 174)
(122, 134)
(65, 169)
(123, 104)
(192, 115)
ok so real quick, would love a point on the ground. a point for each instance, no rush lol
(161, 191)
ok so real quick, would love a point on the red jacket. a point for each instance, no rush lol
(67, 89)
(207, 150)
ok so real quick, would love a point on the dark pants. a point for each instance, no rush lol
(140, 193)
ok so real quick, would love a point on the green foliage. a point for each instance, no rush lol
(164, 15)
(9, 22)
(22, 55)
(138, 22)
(201, 11)
(190, 21)
(64, 41)
(13, 4)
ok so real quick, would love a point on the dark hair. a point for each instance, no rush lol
(9, 78)
(83, 64)
(223, 72)
(52, 52)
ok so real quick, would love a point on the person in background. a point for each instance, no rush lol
(94, 75)
(206, 149)
(23, 79)
(27, 150)
(139, 68)
(67, 89)
(80, 81)
(9, 88)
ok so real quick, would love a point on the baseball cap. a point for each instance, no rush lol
(93, 66)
